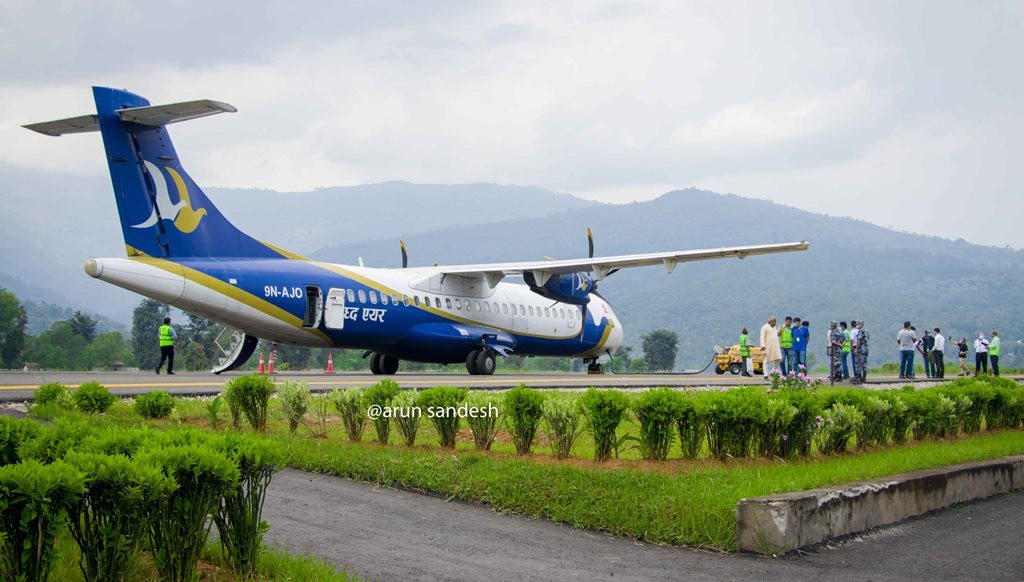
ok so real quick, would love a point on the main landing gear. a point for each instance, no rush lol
(593, 366)
(383, 364)
(480, 362)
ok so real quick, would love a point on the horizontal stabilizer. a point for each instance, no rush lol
(83, 124)
(153, 115)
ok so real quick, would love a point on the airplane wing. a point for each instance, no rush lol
(603, 266)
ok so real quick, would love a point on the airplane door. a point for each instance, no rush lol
(314, 307)
(334, 310)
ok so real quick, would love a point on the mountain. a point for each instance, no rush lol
(853, 270)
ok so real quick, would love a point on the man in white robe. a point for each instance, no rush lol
(772, 350)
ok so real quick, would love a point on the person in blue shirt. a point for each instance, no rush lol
(801, 339)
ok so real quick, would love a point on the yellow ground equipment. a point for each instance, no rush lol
(728, 359)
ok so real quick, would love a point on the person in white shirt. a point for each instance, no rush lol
(980, 354)
(771, 347)
(938, 357)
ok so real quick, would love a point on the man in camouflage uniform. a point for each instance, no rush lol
(836, 338)
(860, 357)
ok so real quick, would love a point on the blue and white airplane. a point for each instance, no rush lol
(182, 251)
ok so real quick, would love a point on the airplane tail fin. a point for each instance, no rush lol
(163, 212)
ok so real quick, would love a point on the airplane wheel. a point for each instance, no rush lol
(485, 363)
(471, 361)
(375, 361)
(735, 369)
(719, 370)
(388, 365)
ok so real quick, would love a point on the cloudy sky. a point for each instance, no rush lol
(906, 114)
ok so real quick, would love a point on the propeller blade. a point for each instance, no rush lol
(405, 255)
(590, 243)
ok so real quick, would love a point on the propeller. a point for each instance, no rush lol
(405, 255)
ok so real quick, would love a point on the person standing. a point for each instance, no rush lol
(980, 354)
(993, 352)
(770, 345)
(860, 356)
(925, 346)
(939, 355)
(786, 343)
(847, 343)
(836, 338)
(906, 339)
(167, 337)
(745, 349)
(801, 338)
(961, 349)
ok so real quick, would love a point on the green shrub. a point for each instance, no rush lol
(773, 435)
(12, 434)
(439, 404)
(1003, 409)
(93, 398)
(294, 397)
(34, 504)
(835, 427)
(156, 404)
(55, 394)
(251, 395)
(408, 419)
(214, 413)
(239, 517)
(178, 526)
(562, 418)
(900, 419)
(320, 405)
(118, 441)
(656, 411)
(352, 408)
(51, 443)
(109, 522)
(523, 410)
(381, 394)
(691, 424)
(733, 421)
(877, 427)
(604, 411)
(796, 440)
(484, 419)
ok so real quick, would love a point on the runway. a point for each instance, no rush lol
(17, 385)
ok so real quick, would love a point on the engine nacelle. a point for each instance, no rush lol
(571, 288)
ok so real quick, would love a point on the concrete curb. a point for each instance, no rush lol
(777, 524)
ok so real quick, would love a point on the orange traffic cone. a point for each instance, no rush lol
(330, 364)
(261, 369)
(273, 359)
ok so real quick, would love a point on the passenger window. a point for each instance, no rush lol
(383, 298)
(522, 310)
(416, 300)
(351, 295)
(373, 297)
(405, 300)
(437, 302)
(561, 313)
(448, 302)
(362, 296)
(531, 310)
(477, 305)
(514, 312)
(487, 307)
(458, 304)
(426, 300)
(547, 312)
(394, 298)
(504, 308)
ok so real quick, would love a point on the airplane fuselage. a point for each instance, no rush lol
(411, 314)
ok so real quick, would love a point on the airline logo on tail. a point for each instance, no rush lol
(180, 213)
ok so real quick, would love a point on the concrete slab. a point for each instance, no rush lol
(776, 524)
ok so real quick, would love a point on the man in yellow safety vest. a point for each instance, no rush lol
(167, 337)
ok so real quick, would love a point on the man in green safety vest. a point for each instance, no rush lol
(167, 337)
(745, 349)
(846, 350)
(786, 343)
(993, 352)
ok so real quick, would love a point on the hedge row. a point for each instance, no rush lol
(116, 490)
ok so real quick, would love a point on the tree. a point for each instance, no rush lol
(12, 328)
(84, 326)
(58, 348)
(146, 321)
(107, 350)
(660, 348)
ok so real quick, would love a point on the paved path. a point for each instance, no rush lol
(386, 534)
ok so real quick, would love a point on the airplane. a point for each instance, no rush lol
(183, 252)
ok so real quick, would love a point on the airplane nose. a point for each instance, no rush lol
(615, 338)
